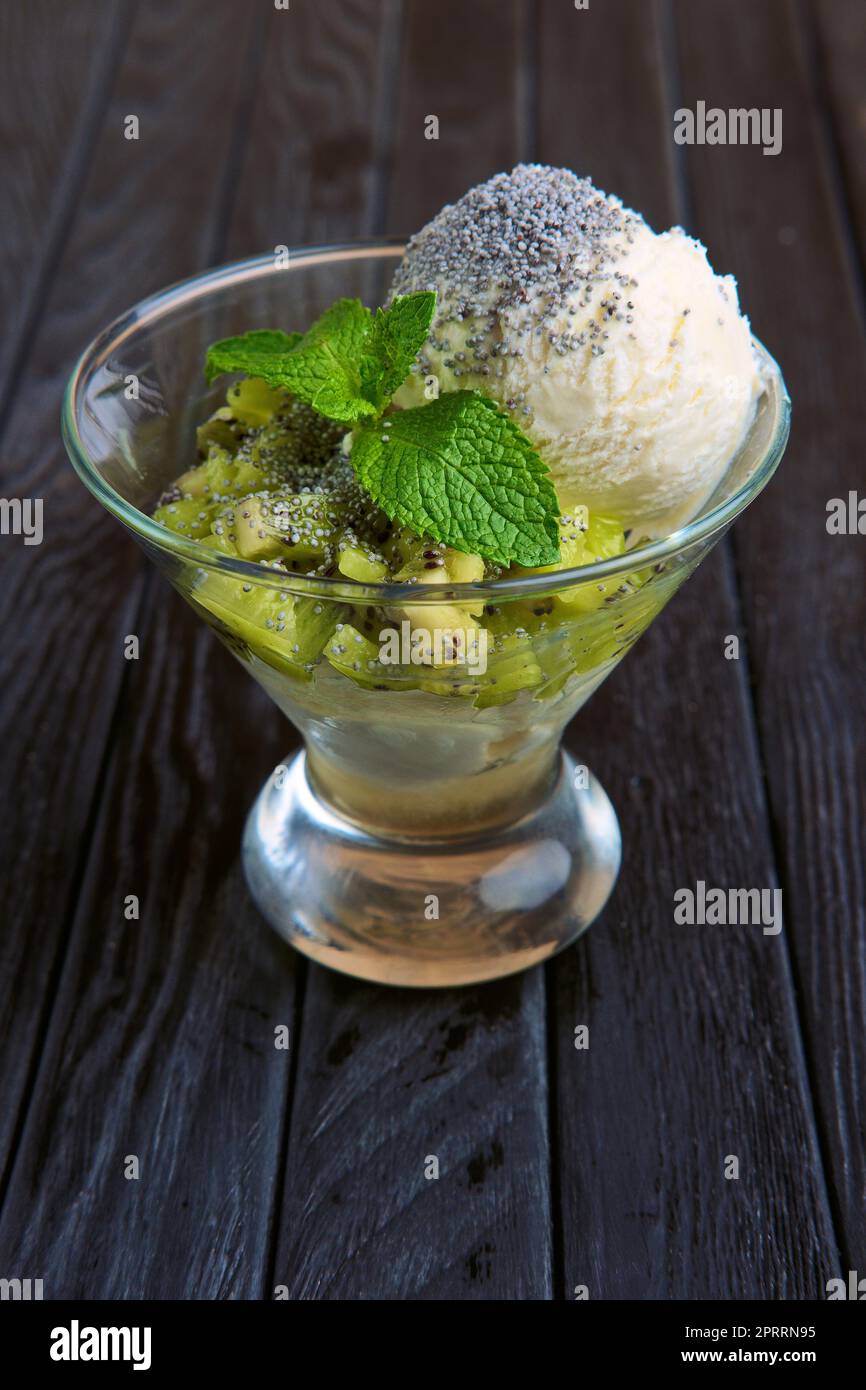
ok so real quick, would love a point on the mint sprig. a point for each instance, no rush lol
(458, 469)
(346, 366)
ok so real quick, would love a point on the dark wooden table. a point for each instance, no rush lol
(305, 1168)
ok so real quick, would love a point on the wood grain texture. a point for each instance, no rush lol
(49, 114)
(694, 1046)
(386, 1078)
(66, 605)
(387, 1081)
(480, 107)
(782, 227)
(162, 1039)
(312, 170)
(834, 35)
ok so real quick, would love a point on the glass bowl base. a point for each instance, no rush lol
(431, 912)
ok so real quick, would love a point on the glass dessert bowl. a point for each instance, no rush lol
(432, 832)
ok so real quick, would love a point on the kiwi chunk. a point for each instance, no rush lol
(221, 542)
(301, 528)
(189, 516)
(452, 627)
(603, 538)
(193, 483)
(221, 429)
(252, 402)
(512, 667)
(284, 630)
(355, 656)
(229, 476)
(358, 564)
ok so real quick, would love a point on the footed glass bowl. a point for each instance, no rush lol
(432, 832)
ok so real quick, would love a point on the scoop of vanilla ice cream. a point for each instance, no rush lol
(619, 352)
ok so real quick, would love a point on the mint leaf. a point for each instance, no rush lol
(396, 336)
(253, 353)
(461, 471)
(320, 367)
(324, 368)
(347, 366)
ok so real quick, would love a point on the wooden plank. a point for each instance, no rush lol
(694, 1047)
(311, 171)
(387, 1078)
(48, 117)
(385, 1082)
(779, 222)
(78, 594)
(480, 123)
(835, 39)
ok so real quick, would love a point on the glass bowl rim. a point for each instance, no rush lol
(154, 307)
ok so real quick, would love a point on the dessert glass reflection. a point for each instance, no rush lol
(432, 831)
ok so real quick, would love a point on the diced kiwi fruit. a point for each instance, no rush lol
(285, 631)
(572, 548)
(189, 516)
(449, 684)
(221, 542)
(252, 526)
(234, 475)
(431, 562)
(253, 402)
(602, 540)
(250, 404)
(369, 620)
(612, 633)
(301, 528)
(357, 657)
(511, 667)
(220, 477)
(193, 483)
(585, 539)
(355, 563)
(404, 546)
(428, 562)
(221, 429)
(553, 652)
(258, 441)
(248, 497)
(447, 676)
